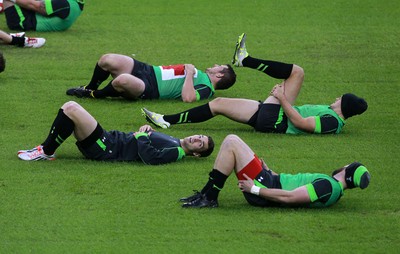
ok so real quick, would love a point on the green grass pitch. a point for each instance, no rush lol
(73, 205)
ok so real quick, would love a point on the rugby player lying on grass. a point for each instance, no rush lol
(263, 187)
(96, 143)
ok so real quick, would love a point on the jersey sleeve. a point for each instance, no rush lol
(326, 124)
(153, 156)
(319, 190)
(59, 8)
(203, 92)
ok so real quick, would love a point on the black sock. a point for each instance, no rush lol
(216, 182)
(18, 41)
(194, 115)
(99, 75)
(108, 91)
(274, 69)
(61, 129)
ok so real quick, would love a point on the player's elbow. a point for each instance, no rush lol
(189, 99)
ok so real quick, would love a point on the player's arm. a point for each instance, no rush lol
(33, 5)
(299, 195)
(188, 91)
(306, 124)
(296, 196)
(203, 92)
(153, 156)
(326, 124)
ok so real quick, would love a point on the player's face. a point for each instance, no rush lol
(196, 143)
(337, 102)
(337, 171)
(216, 69)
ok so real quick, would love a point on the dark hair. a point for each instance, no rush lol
(227, 80)
(2, 62)
(210, 148)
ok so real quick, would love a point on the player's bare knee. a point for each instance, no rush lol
(297, 71)
(121, 82)
(216, 101)
(231, 141)
(106, 61)
(70, 106)
(216, 104)
(103, 60)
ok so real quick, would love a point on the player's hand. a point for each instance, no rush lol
(190, 70)
(146, 128)
(245, 185)
(277, 91)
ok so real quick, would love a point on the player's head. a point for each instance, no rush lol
(356, 175)
(2, 62)
(228, 77)
(352, 105)
(198, 145)
(210, 148)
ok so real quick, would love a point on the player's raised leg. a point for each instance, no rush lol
(292, 74)
(292, 86)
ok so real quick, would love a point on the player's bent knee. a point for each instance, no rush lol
(232, 141)
(231, 137)
(297, 71)
(121, 81)
(106, 60)
(70, 106)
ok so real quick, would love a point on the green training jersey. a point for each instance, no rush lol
(170, 80)
(321, 114)
(55, 23)
(323, 190)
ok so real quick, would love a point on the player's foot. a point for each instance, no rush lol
(26, 151)
(80, 92)
(35, 154)
(240, 51)
(192, 198)
(1, 6)
(31, 42)
(20, 34)
(155, 119)
(201, 203)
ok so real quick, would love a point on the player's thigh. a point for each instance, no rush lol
(233, 154)
(131, 86)
(116, 64)
(272, 100)
(240, 110)
(243, 153)
(84, 122)
(293, 84)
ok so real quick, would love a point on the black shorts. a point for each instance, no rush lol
(146, 73)
(104, 145)
(269, 180)
(14, 19)
(269, 118)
